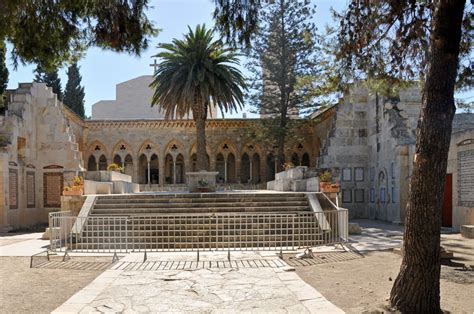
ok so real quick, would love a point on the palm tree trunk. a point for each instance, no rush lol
(417, 288)
(201, 143)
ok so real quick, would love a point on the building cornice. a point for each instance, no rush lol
(162, 124)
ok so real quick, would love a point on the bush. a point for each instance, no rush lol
(326, 176)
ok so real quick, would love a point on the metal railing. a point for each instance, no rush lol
(188, 232)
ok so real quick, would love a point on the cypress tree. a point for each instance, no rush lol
(74, 92)
(51, 78)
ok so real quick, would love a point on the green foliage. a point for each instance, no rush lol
(3, 76)
(388, 40)
(326, 176)
(51, 78)
(466, 106)
(197, 72)
(283, 64)
(74, 92)
(237, 19)
(52, 32)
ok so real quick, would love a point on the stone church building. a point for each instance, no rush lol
(366, 140)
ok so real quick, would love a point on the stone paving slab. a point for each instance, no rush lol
(210, 290)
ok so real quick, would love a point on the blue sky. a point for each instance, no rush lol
(101, 70)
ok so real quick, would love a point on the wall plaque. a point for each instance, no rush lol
(13, 186)
(30, 189)
(466, 178)
(53, 186)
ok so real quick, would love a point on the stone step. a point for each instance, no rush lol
(199, 205)
(101, 200)
(262, 209)
(202, 195)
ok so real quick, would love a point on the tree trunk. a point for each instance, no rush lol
(416, 289)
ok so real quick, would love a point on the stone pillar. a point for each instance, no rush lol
(237, 170)
(174, 170)
(148, 171)
(225, 170)
(161, 168)
(251, 170)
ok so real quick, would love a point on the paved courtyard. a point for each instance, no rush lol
(252, 282)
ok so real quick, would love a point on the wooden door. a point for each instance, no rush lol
(447, 202)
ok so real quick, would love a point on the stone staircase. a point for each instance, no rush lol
(199, 221)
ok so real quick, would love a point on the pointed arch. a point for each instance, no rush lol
(92, 163)
(102, 163)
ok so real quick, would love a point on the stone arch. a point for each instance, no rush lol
(92, 164)
(122, 149)
(382, 195)
(295, 159)
(97, 148)
(148, 148)
(255, 167)
(251, 171)
(221, 167)
(226, 147)
(154, 169)
(180, 169)
(231, 168)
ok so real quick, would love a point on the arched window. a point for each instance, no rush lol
(305, 160)
(245, 168)
(91, 164)
(102, 163)
(128, 167)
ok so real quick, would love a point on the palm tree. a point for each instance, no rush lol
(195, 73)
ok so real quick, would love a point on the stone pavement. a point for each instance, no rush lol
(22, 244)
(267, 286)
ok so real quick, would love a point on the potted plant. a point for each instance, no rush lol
(115, 167)
(203, 185)
(325, 183)
(76, 189)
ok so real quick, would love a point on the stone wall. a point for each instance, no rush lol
(42, 153)
(369, 149)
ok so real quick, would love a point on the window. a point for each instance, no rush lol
(372, 195)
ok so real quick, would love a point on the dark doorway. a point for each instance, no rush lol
(447, 214)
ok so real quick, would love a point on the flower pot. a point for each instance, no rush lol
(203, 189)
(328, 187)
(74, 192)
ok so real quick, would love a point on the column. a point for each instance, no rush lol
(225, 170)
(174, 170)
(251, 168)
(148, 172)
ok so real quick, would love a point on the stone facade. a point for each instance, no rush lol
(39, 153)
(366, 140)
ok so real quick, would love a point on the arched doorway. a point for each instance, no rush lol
(180, 169)
(255, 166)
(220, 167)
(142, 169)
(118, 160)
(270, 167)
(295, 160)
(231, 168)
(102, 163)
(245, 168)
(154, 169)
(128, 165)
(305, 160)
(169, 173)
(91, 164)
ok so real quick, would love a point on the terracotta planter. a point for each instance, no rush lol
(328, 187)
(75, 192)
(203, 189)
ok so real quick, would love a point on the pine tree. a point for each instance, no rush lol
(283, 54)
(74, 92)
(51, 78)
(3, 75)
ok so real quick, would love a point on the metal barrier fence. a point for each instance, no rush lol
(188, 232)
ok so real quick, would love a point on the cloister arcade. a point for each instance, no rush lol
(152, 164)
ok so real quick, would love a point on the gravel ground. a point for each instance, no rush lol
(41, 290)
